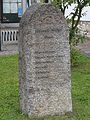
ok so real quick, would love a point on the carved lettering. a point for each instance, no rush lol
(42, 77)
(48, 37)
(38, 67)
(49, 30)
(37, 52)
(39, 62)
(41, 72)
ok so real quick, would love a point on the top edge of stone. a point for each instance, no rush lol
(36, 7)
(29, 12)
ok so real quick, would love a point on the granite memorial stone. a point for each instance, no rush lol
(44, 62)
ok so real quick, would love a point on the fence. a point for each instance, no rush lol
(9, 35)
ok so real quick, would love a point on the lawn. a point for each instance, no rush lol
(9, 97)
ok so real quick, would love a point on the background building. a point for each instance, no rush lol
(12, 10)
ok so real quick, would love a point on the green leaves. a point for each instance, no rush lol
(76, 15)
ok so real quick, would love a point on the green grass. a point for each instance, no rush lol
(9, 97)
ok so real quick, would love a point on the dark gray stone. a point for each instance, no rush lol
(44, 62)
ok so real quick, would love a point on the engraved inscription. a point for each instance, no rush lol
(42, 71)
(48, 37)
(39, 67)
(49, 30)
(42, 77)
(40, 62)
(48, 52)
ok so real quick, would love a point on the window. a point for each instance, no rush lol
(12, 10)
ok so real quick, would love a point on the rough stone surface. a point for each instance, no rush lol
(44, 62)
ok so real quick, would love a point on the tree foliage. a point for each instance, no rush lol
(74, 36)
(76, 15)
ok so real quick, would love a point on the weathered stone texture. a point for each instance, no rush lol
(44, 61)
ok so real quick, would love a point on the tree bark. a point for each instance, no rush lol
(46, 1)
(33, 1)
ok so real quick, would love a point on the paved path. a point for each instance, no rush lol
(4, 53)
(85, 47)
(9, 50)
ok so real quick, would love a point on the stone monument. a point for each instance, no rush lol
(44, 62)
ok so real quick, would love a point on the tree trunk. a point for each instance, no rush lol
(46, 1)
(33, 1)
